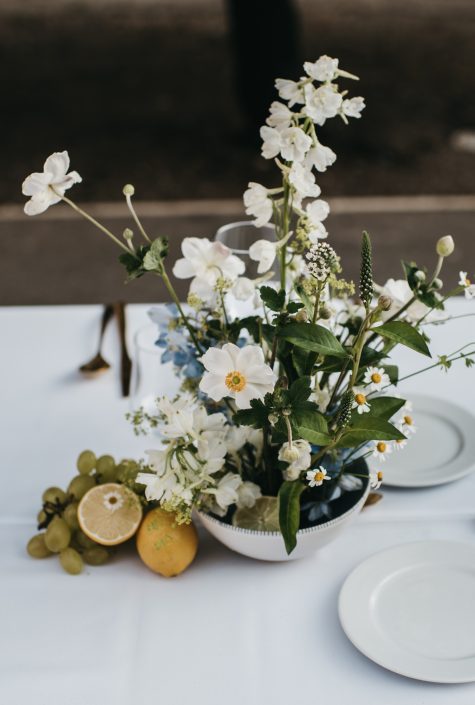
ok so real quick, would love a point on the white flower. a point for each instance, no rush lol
(317, 210)
(47, 187)
(295, 269)
(381, 450)
(376, 378)
(321, 103)
(243, 289)
(289, 91)
(298, 456)
(280, 116)
(264, 252)
(239, 373)
(247, 494)
(376, 479)
(303, 181)
(400, 443)
(360, 402)
(315, 478)
(226, 491)
(350, 483)
(321, 398)
(324, 69)
(445, 246)
(352, 107)
(467, 285)
(407, 423)
(271, 142)
(320, 157)
(295, 144)
(258, 203)
(206, 262)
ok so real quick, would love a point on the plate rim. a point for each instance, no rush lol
(444, 480)
(345, 590)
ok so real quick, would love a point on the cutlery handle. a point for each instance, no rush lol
(107, 314)
(125, 362)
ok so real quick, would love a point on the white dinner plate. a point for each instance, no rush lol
(442, 449)
(411, 609)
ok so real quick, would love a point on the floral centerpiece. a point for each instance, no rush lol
(278, 408)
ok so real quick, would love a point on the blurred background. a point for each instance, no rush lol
(169, 95)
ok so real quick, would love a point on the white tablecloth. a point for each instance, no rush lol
(228, 630)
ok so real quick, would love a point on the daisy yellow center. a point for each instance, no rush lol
(381, 446)
(319, 476)
(376, 377)
(235, 381)
(408, 420)
(380, 476)
(360, 399)
(467, 281)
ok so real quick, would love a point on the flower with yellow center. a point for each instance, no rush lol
(360, 403)
(467, 285)
(376, 479)
(317, 477)
(382, 450)
(407, 424)
(376, 378)
(239, 373)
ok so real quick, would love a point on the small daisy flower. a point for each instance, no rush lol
(376, 378)
(400, 443)
(382, 450)
(376, 479)
(407, 423)
(467, 285)
(315, 478)
(360, 402)
(113, 501)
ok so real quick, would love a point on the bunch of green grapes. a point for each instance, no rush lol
(60, 533)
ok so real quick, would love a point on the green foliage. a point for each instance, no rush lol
(369, 428)
(257, 416)
(153, 260)
(310, 424)
(289, 512)
(274, 300)
(405, 334)
(312, 337)
(384, 407)
(299, 391)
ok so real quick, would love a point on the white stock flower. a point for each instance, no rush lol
(258, 203)
(298, 457)
(324, 69)
(46, 188)
(317, 210)
(376, 378)
(264, 252)
(317, 477)
(320, 157)
(352, 107)
(290, 91)
(271, 142)
(280, 116)
(206, 262)
(303, 182)
(294, 144)
(321, 103)
(247, 494)
(239, 373)
(469, 288)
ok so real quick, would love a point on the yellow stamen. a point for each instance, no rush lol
(235, 381)
(319, 476)
(381, 447)
(376, 377)
(360, 399)
(380, 476)
(408, 420)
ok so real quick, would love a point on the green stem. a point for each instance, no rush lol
(163, 274)
(94, 222)
(136, 218)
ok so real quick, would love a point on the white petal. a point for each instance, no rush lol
(183, 269)
(213, 385)
(37, 204)
(57, 165)
(218, 361)
(35, 183)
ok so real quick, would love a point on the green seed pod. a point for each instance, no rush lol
(366, 275)
(86, 462)
(83, 541)
(71, 561)
(54, 494)
(70, 516)
(79, 485)
(58, 535)
(96, 556)
(37, 547)
(344, 412)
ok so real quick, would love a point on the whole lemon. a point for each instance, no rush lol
(164, 546)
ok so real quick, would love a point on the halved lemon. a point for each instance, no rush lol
(263, 516)
(109, 514)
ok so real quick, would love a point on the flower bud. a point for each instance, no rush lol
(420, 276)
(286, 412)
(290, 474)
(445, 246)
(301, 316)
(437, 284)
(385, 303)
(290, 454)
(127, 234)
(273, 418)
(325, 312)
(128, 190)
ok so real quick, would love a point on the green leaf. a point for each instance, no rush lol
(369, 428)
(299, 391)
(311, 336)
(256, 416)
(393, 373)
(304, 361)
(155, 256)
(294, 306)
(273, 299)
(289, 512)
(405, 334)
(133, 263)
(310, 424)
(385, 407)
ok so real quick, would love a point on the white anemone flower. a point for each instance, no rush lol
(317, 477)
(206, 262)
(47, 187)
(353, 107)
(291, 91)
(280, 115)
(381, 450)
(298, 456)
(239, 373)
(469, 288)
(257, 203)
(376, 378)
(320, 157)
(360, 403)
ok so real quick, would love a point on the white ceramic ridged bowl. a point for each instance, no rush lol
(269, 546)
